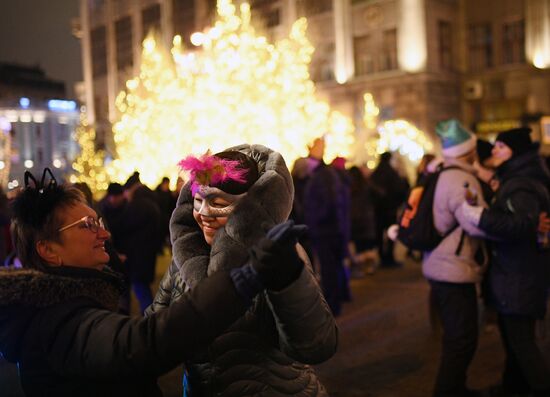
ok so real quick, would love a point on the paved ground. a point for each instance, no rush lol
(387, 347)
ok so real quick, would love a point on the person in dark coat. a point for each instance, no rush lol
(268, 351)
(327, 214)
(518, 276)
(112, 208)
(141, 239)
(391, 192)
(166, 202)
(56, 314)
(363, 218)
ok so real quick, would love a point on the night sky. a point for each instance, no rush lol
(38, 32)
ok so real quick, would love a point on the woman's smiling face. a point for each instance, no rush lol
(79, 245)
(211, 208)
(210, 224)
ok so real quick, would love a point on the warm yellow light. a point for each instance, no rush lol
(197, 38)
(403, 137)
(539, 60)
(412, 47)
(237, 88)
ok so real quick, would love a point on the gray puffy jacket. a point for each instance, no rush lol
(267, 351)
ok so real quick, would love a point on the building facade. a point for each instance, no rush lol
(36, 125)
(487, 63)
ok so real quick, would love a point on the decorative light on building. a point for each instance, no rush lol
(412, 50)
(61, 105)
(29, 163)
(2, 165)
(236, 88)
(5, 125)
(537, 33)
(24, 102)
(25, 117)
(57, 163)
(39, 117)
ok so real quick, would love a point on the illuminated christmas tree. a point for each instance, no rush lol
(89, 165)
(236, 88)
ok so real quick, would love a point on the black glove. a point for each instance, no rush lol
(275, 258)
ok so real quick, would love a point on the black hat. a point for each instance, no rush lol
(484, 149)
(115, 189)
(517, 139)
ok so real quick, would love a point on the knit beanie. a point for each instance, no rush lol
(517, 139)
(456, 140)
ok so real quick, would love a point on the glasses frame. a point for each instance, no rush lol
(89, 221)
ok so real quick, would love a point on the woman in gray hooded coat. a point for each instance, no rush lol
(267, 351)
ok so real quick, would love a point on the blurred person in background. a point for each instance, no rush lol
(141, 237)
(390, 193)
(327, 214)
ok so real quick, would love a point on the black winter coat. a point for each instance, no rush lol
(327, 206)
(266, 352)
(60, 329)
(518, 276)
(142, 235)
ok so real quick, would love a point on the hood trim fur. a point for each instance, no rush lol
(33, 288)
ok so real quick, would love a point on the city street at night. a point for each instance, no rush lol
(170, 168)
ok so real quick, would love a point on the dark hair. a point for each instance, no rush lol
(246, 163)
(36, 211)
(115, 189)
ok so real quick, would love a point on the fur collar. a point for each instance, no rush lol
(267, 203)
(33, 288)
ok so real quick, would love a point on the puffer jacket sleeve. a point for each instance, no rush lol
(165, 290)
(80, 339)
(307, 329)
(517, 221)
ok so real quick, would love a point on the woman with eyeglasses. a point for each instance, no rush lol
(221, 218)
(57, 319)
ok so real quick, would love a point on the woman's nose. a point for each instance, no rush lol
(103, 234)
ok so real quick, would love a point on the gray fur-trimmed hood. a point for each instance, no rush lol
(36, 289)
(268, 202)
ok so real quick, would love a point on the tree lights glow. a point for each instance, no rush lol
(392, 136)
(89, 164)
(236, 88)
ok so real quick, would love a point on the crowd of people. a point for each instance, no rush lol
(250, 298)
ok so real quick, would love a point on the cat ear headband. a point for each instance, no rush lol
(37, 199)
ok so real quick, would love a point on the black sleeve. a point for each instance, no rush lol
(518, 222)
(87, 341)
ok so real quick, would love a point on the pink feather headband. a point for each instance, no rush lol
(211, 170)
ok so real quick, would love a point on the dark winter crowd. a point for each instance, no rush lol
(249, 300)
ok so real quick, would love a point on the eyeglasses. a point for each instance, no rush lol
(89, 222)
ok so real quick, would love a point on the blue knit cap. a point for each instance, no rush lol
(456, 140)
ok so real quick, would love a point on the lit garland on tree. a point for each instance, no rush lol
(238, 88)
(392, 136)
(89, 163)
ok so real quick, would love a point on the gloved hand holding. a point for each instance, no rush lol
(275, 258)
(472, 213)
